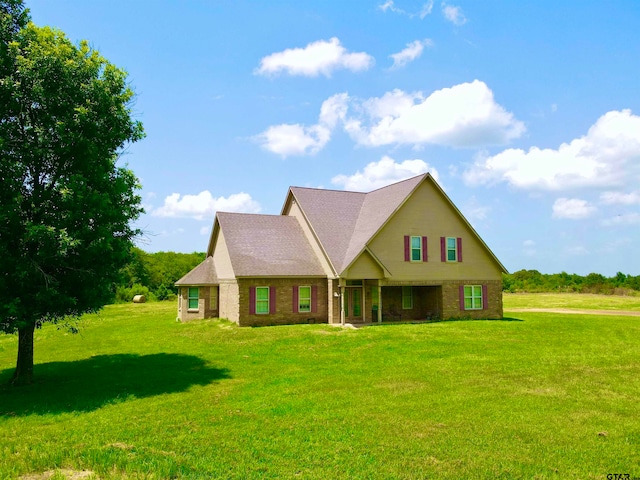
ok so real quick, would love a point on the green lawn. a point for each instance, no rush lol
(137, 395)
(570, 300)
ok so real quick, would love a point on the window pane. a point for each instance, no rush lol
(415, 242)
(214, 298)
(451, 255)
(416, 254)
(304, 299)
(473, 297)
(451, 242)
(262, 299)
(304, 306)
(193, 298)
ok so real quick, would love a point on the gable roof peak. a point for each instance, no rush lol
(410, 179)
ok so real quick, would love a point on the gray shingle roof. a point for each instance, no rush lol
(203, 274)
(333, 215)
(267, 245)
(345, 221)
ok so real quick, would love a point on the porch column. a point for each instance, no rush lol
(364, 303)
(379, 304)
(342, 305)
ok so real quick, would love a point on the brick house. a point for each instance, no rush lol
(402, 252)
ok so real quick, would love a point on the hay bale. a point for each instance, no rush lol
(139, 299)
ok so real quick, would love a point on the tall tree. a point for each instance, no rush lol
(66, 203)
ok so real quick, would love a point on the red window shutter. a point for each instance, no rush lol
(485, 298)
(272, 300)
(407, 248)
(314, 298)
(443, 249)
(252, 300)
(296, 305)
(461, 297)
(425, 257)
(459, 249)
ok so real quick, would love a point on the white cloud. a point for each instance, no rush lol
(317, 58)
(473, 210)
(295, 139)
(465, 115)
(618, 198)
(426, 9)
(622, 220)
(453, 14)
(390, 6)
(572, 208)
(288, 139)
(606, 156)
(410, 53)
(205, 205)
(205, 230)
(385, 172)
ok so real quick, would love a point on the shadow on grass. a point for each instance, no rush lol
(89, 384)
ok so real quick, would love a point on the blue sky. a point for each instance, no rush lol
(527, 113)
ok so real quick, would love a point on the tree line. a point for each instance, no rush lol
(534, 281)
(154, 274)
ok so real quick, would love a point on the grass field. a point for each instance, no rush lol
(136, 395)
(570, 300)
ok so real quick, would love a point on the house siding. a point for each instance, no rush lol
(204, 310)
(229, 301)
(284, 312)
(427, 213)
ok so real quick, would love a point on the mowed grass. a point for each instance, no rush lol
(137, 395)
(581, 301)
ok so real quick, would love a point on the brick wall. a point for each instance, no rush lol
(205, 308)
(451, 300)
(284, 314)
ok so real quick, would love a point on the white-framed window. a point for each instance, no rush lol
(416, 249)
(452, 249)
(192, 298)
(262, 300)
(304, 299)
(473, 297)
(407, 298)
(214, 298)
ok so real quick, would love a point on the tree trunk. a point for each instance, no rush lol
(24, 366)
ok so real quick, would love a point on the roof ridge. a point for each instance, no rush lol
(329, 190)
(398, 182)
(360, 243)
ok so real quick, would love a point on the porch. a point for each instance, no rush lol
(367, 301)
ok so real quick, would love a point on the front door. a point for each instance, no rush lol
(353, 304)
